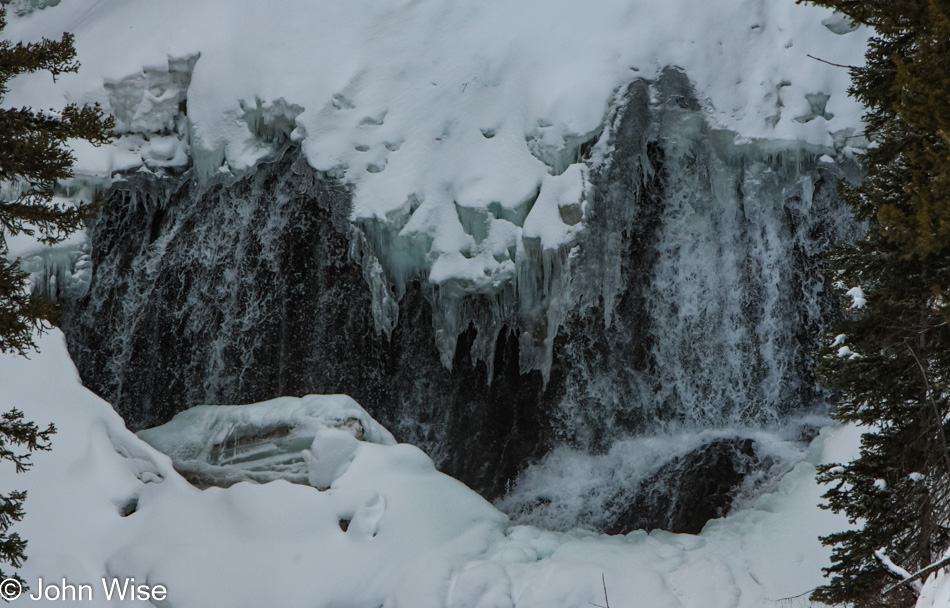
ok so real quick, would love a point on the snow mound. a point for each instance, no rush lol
(220, 445)
(390, 531)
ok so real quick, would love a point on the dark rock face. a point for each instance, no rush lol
(246, 290)
(694, 301)
(700, 294)
(688, 491)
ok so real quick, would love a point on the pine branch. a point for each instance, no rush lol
(920, 574)
(837, 65)
(17, 433)
(938, 419)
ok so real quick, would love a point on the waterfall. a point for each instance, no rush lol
(679, 324)
(700, 295)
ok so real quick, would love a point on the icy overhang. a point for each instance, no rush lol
(449, 119)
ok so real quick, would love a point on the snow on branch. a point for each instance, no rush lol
(857, 297)
(898, 571)
(915, 578)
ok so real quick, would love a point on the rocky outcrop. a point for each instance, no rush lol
(688, 491)
(692, 298)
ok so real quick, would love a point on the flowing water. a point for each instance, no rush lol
(670, 344)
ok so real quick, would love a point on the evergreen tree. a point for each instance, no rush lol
(14, 433)
(892, 377)
(33, 157)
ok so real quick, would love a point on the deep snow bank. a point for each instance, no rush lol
(434, 109)
(105, 504)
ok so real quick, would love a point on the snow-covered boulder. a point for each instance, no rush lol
(303, 440)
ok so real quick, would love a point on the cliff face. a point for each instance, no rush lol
(689, 299)
(240, 290)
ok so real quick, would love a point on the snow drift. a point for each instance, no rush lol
(389, 531)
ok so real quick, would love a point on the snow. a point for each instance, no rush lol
(457, 125)
(857, 297)
(936, 590)
(222, 445)
(103, 503)
(429, 106)
(894, 568)
(845, 351)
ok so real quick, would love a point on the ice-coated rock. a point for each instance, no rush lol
(305, 440)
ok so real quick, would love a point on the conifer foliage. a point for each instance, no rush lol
(890, 361)
(17, 440)
(33, 157)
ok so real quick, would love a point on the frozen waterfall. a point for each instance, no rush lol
(684, 302)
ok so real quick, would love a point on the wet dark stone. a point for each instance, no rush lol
(688, 491)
